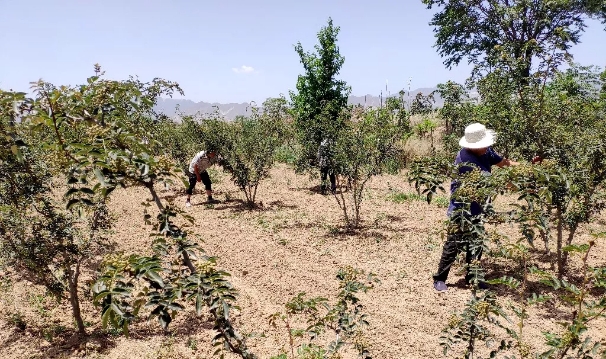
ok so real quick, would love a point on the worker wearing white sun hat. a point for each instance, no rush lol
(476, 150)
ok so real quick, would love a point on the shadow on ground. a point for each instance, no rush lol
(67, 343)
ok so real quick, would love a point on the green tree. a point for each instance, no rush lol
(518, 32)
(422, 105)
(367, 146)
(45, 244)
(248, 145)
(96, 137)
(455, 113)
(320, 96)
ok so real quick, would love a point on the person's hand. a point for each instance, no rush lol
(536, 159)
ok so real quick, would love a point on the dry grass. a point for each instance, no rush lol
(290, 244)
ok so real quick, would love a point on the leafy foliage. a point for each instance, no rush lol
(42, 243)
(422, 105)
(366, 147)
(455, 113)
(345, 319)
(165, 282)
(485, 32)
(248, 145)
(542, 189)
(320, 97)
(96, 136)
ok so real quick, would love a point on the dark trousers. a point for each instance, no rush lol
(193, 180)
(324, 172)
(455, 243)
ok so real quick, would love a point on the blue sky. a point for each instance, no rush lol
(228, 51)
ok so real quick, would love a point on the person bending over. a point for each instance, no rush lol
(197, 173)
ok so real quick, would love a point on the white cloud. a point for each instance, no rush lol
(243, 69)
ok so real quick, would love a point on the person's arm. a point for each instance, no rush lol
(505, 162)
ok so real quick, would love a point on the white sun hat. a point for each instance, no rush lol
(477, 136)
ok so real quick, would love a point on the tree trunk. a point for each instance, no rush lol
(560, 256)
(155, 197)
(471, 343)
(569, 242)
(72, 280)
(186, 260)
(525, 71)
(359, 195)
(342, 203)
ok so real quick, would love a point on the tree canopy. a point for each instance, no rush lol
(488, 32)
(320, 96)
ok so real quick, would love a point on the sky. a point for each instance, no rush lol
(229, 51)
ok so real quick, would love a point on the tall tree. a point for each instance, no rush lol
(519, 32)
(320, 96)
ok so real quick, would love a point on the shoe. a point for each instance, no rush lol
(212, 200)
(440, 286)
(187, 204)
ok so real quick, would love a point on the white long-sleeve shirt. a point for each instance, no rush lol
(202, 160)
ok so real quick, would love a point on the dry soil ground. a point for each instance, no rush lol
(289, 245)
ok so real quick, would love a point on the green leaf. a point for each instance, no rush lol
(164, 320)
(175, 306)
(99, 176)
(226, 310)
(117, 310)
(155, 277)
(576, 248)
(199, 303)
(71, 203)
(105, 318)
(87, 191)
(15, 150)
(71, 191)
(87, 202)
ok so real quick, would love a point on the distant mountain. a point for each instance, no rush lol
(173, 107)
(375, 101)
(229, 111)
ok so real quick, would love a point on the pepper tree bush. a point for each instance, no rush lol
(571, 114)
(554, 199)
(247, 145)
(367, 146)
(454, 113)
(484, 318)
(571, 111)
(41, 241)
(95, 136)
(343, 322)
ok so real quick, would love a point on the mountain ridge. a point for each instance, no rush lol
(230, 111)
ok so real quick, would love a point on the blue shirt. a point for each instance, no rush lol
(484, 162)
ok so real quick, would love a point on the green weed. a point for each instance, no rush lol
(441, 201)
(285, 154)
(402, 197)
